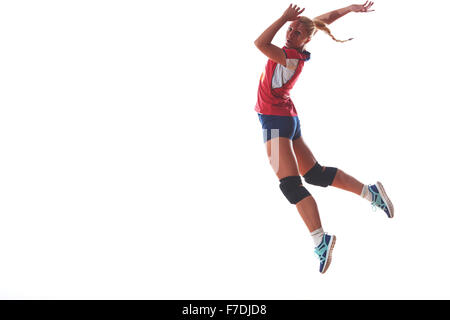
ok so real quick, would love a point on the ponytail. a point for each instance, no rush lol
(313, 25)
(318, 24)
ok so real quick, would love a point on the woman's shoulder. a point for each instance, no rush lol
(292, 53)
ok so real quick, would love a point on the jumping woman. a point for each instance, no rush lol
(289, 156)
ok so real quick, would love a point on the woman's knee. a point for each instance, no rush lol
(320, 176)
(293, 189)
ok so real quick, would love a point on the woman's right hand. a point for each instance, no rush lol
(362, 7)
(292, 13)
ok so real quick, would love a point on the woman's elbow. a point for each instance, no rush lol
(258, 44)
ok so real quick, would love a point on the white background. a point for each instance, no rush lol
(132, 164)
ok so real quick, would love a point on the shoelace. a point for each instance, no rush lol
(320, 250)
(378, 201)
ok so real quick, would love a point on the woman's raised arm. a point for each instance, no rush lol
(264, 41)
(332, 16)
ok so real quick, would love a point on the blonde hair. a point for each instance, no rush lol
(312, 26)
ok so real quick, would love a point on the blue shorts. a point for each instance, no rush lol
(280, 126)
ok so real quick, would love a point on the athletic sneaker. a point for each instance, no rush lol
(324, 250)
(380, 199)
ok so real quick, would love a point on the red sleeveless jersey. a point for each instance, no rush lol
(277, 81)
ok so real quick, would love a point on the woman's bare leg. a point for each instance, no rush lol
(283, 162)
(306, 161)
(347, 182)
(305, 158)
(310, 213)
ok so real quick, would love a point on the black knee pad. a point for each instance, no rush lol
(320, 177)
(293, 189)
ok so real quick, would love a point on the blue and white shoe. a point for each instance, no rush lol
(380, 199)
(324, 250)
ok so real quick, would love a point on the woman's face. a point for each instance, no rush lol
(296, 35)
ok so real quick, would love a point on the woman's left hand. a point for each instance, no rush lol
(362, 7)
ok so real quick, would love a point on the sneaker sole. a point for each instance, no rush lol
(329, 255)
(386, 199)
